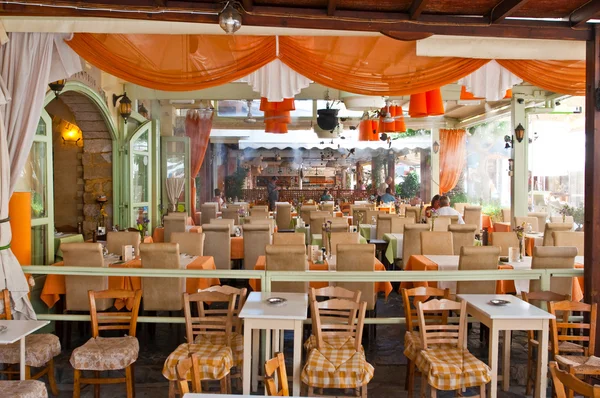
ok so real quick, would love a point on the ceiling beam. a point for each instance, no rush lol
(201, 12)
(579, 17)
(504, 9)
(416, 8)
(247, 4)
(331, 4)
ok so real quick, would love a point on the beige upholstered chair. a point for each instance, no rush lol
(260, 211)
(568, 238)
(506, 215)
(367, 216)
(231, 214)
(256, 238)
(116, 240)
(287, 258)
(218, 245)
(504, 240)
(162, 294)
(559, 219)
(84, 255)
(358, 257)
(172, 224)
(384, 224)
(398, 224)
(209, 211)
(306, 210)
(477, 258)
(342, 238)
(258, 215)
(351, 213)
(317, 218)
(460, 207)
(472, 215)
(541, 217)
(223, 221)
(554, 257)
(264, 221)
(453, 219)
(437, 243)
(441, 223)
(284, 216)
(338, 224)
(328, 207)
(411, 244)
(528, 220)
(462, 235)
(287, 239)
(551, 228)
(189, 243)
(412, 212)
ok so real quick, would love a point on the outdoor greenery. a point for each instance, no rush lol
(409, 187)
(234, 184)
(493, 210)
(578, 217)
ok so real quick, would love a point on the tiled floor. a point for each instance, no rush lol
(385, 353)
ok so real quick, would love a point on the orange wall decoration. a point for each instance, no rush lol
(19, 211)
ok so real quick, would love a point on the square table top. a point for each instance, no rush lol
(294, 308)
(516, 309)
(18, 329)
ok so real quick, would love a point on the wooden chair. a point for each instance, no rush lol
(209, 334)
(356, 371)
(565, 381)
(276, 366)
(119, 352)
(45, 346)
(412, 338)
(580, 335)
(183, 368)
(539, 299)
(438, 366)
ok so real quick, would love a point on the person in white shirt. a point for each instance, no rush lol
(446, 210)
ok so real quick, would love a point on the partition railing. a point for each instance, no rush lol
(294, 194)
(268, 277)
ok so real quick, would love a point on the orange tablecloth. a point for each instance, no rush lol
(486, 222)
(237, 247)
(385, 287)
(422, 263)
(159, 233)
(501, 227)
(55, 284)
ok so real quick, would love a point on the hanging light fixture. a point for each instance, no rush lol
(124, 105)
(143, 111)
(436, 147)
(418, 105)
(230, 19)
(57, 86)
(519, 132)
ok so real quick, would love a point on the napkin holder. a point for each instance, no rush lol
(127, 252)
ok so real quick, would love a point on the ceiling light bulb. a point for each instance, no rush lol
(230, 20)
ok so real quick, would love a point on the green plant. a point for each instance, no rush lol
(235, 183)
(458, 197)
(578, 216)
(36, 204)
(493, 210)
(409, 187)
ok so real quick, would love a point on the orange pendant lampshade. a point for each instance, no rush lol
(508, 94)
(277, 114)
(400, 124)
(465, 95)
(364, 130)
(374, 131)
(418, 105)
(387, 127)
(435, 105)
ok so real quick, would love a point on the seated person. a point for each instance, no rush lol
(326, 197)
(219, 198)
(435, 204)
(387, 197)
(446, 210)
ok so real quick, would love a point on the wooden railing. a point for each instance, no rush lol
(289, 195)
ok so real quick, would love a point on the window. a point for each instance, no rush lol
(239, 108)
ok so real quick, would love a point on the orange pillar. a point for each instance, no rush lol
(19, 211)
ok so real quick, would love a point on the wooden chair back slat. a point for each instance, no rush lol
(541, 299)
(562, 381)
(332, 315)
(276, 367)
(102, 320)
(353, 327)
(442, 333)
(420, 294)
(211, 324)
(242, 295)
(182, 368)
(6, 304)
(573, 331)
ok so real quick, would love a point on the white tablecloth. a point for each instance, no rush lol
(399, 243)
(521, 285)
(446, 263)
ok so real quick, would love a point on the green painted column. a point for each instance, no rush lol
(520, 175)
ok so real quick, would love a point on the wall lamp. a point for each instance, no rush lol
(124, 105)
(519, 135)
(436, 147)
(143, 111)
(57, 86)
(71, 135)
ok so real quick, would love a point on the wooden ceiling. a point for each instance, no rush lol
(401, 19)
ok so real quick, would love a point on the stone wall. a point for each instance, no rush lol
(96, 160)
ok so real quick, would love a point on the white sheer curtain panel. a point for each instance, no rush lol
(28, 62)
(490, 81)
(174, 189)
(276, 81)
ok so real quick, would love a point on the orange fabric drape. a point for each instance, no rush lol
(197, 126)
(453, 157)
(564, 77)
(175, 62)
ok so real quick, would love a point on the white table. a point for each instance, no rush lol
(518, 315)
(18, 330)
(259, 315)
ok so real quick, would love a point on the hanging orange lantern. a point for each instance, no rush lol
(508, 94)
(374, 136)
(364, 130)
(277, 114)
(418, 105)
(400, 124)
(435, 104)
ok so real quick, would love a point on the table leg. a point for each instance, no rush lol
(506, 361)
(276, 334)
(297, 357)
(22, 358)
(255, 334)
(247, 358)
(493, 360)
(268, 344)
(542, 368)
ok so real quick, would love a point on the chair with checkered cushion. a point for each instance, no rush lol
(276, 366)
(333, 316)
(185, 366)
(412, 338)
(211, 332)
(108, 353)
(333, 367)
(450, 367)
(40, 350)
(23, 389)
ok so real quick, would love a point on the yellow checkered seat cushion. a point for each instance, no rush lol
(413, 345)
(336, 342)
(337, 368)
(39, 350)
(106, 353)
(452, 368)
(23, 389)
(237, 345)
(215, 361)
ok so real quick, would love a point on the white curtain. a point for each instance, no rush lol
(28, 62)
(174, 189)
(490, 81)
(276, 81)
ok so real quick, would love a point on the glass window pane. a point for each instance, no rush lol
(141, 144)
(34, 179)
(39, 240)
(343, 112)
(41, 128)
(140, 174)
(239, 108)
